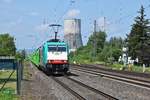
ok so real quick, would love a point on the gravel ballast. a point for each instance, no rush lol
(42, 87)
(120, 90)
(38, 86)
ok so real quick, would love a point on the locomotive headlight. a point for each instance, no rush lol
(49, 61)
(65, 61)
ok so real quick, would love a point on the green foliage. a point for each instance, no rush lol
(21, 55)
(9, 90)
(105, 54)
(99, 38)
(116, 42)
(117, 66)
(112, 50)
(7, 45)
(8, 94)
(116, 53)
(105, 51)
(83, 54)
(139, 38)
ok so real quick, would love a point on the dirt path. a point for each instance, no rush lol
(32, 87)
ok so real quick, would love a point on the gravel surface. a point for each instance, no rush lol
(41, 87)
(120, 90)
(133, 74)
(88, 94)
(38, 86)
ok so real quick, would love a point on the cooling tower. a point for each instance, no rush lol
(72, 31)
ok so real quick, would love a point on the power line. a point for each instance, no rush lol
(71, 4)
(126, 16)
(129, 15)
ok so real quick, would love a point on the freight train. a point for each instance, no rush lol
(52, 57)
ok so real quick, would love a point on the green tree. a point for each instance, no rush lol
(21, 55)
(85, 53)
(105, 54)
(82, 55)
(18, 55)
(99, 38)
(112, 50)
(138, 39)
(7, 45)
(116, 44)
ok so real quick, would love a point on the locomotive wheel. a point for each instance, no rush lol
(48, 71)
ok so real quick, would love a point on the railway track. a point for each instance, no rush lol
(123, 78)
(109, 97)
(69, 89)
(102, 67)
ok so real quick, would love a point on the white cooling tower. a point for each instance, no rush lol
(72, 31)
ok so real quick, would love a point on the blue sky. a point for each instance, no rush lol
(27, 20)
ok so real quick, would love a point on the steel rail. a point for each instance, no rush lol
(92, 89)
(142, 76)
(115, 73)
(69, 89)
(116, 77)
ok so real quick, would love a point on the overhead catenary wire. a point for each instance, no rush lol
(118, 21)
(70, 4)
(62, 16)
(127, 16)
(59, 18)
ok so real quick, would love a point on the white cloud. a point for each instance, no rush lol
(42, 27)
(73, 13)
(7, 1)
(33, 13)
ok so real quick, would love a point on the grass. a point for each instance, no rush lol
(132, 68)
(140, 69)
(8, 94)
(4, 75)
(117, 66)
(9, 90)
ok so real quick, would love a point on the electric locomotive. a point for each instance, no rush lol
(52, 56)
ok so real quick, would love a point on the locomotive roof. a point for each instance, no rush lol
(51, 42)
(58, 43)
(54, 40)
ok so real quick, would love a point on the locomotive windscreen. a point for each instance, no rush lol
(56, 48)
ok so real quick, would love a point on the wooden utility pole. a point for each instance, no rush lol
(94, 41)
(104, 24)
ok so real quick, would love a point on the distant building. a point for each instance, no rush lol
(72, 31)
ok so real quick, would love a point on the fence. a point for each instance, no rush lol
(16, 67)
